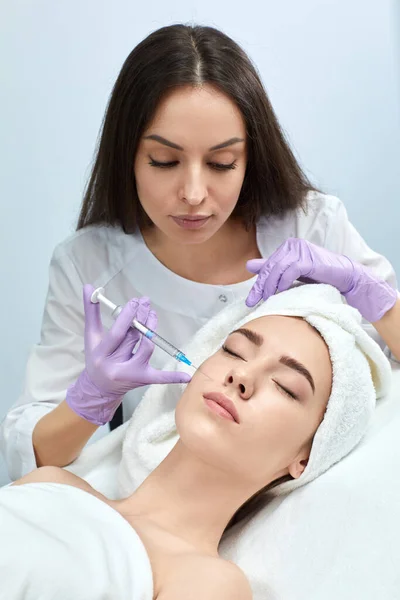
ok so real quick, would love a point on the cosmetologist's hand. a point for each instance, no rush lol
(299, 259)
(114, 361)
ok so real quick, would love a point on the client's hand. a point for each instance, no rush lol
(111, 367)
(299, 259)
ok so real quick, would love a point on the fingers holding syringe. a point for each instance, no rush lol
(122, 336)
(146, 347)
(143, 355)
(133, 336)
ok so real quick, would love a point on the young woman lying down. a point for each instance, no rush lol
(287, 394)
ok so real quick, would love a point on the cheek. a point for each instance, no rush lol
(188, 403)
(183, 413)
(277, 434)
(211, 369)
(150, 188)
(152, 185)
(226, 191)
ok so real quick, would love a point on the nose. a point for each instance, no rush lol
(194, 187)
(241, 381)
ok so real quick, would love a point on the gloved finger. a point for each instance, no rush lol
(286, 255)
(120, 328)
(254, 265)
(157, 376)
(272, 280)
(143, 310)
(152, 320)
(146, 347)
(93, 325)
(298, 269)
(142, 316)
(256, 292)
(288, 277)
(283, 251)
(127, 346)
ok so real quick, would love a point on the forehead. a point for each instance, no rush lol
(202, 110)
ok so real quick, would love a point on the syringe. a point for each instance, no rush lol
(157, 340)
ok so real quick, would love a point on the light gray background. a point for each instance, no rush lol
(332, 69)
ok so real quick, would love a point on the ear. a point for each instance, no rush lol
(297, 467)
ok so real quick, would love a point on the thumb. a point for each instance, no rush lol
(254, 265)
(93, 324)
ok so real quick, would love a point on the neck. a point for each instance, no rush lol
(189, 498)
(216, 261)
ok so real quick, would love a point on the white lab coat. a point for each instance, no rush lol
(106, 256)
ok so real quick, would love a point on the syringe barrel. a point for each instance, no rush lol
(161, 343)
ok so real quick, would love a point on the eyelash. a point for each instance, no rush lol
(226, 349)
(170, 165)
(280, 387)
(287, 392)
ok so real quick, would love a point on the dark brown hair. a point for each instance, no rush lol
(257, 501)
(171, 57)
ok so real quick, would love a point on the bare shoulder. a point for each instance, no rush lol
(231, 580)
(207, 578)
(58, 475)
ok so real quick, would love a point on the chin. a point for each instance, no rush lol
(191, 238)
(192, 424)
(202, 438)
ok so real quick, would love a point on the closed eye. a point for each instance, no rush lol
(171, 164)
(286, 391)
(162, 165)
(228, 351)
(222, 166)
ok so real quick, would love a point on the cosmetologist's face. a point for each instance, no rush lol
(191, 163)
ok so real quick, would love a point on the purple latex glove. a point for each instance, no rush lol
(111, 369)
(299, 259)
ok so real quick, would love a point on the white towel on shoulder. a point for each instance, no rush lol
(60, 542)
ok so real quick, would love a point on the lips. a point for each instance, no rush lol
(224, 402)
(192, 217)
(191, 221)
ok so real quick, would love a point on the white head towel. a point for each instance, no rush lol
(361, 373)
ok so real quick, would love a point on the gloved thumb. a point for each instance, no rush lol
(254, 265)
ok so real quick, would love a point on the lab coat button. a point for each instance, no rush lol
(223, 298)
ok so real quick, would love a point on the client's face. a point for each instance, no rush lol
(256, 413)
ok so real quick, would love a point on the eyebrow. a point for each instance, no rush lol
(255, 338)
(294, 364)
(165, 142)
(287, 361)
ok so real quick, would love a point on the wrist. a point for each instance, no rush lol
(371, 296)
(385, 320)
(388, 327)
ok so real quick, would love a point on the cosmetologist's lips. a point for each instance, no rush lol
(192, 221)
